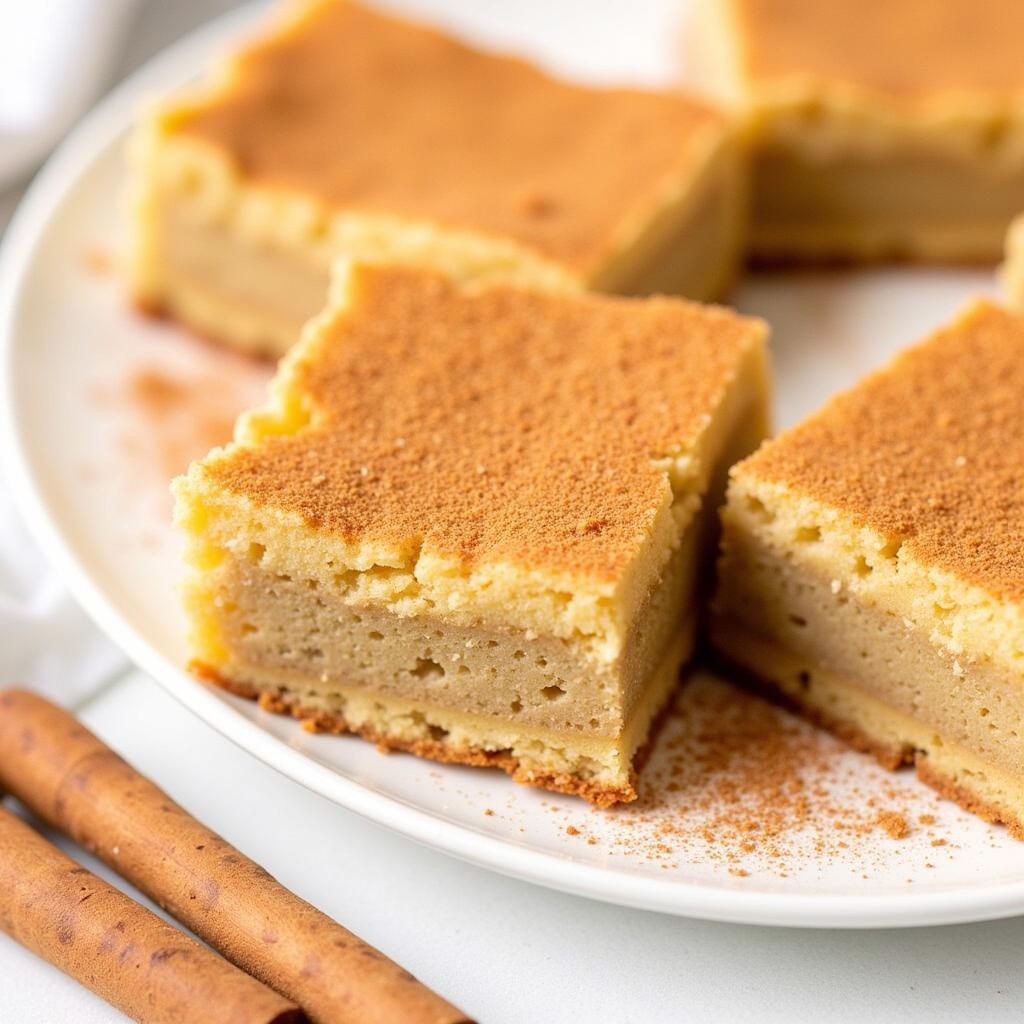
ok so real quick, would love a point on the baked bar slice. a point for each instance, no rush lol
(880, 131)
(471, 521)
(345, 131)
(873, 564)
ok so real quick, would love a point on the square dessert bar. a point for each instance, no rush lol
(880, 130)
(346, 132)
(873, 563)
(471, 521)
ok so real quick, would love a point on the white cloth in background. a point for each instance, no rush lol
(46, 641)
(55, 57)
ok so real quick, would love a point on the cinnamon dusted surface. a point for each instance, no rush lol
(902, 48)
(927, 451)
(497, 425)
(378, 114)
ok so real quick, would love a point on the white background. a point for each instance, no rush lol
(504, 950)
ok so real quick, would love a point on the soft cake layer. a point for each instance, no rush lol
(307, 146)
(971, 702)
(602, 769)
(535, 460)
(927, 206)
(871, 565)
(471, 520)
(874, 137)
(266, 628)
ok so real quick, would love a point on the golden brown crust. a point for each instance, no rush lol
(968, 800)
(377, 114)
(318, 720)
(927, 451)
(495, 425)
(916, 48)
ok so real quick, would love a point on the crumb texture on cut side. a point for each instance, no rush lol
(455, 137)
(912, 49)
(553, 432)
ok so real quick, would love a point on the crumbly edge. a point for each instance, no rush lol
(317, 720)
(729, 640)
(882, 571)
(950, 789)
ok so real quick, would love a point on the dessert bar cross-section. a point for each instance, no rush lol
(873, 565)
(471, 521)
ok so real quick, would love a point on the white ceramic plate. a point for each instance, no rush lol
(85, 400)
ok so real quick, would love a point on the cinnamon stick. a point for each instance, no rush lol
(71, 779)
(116, 947)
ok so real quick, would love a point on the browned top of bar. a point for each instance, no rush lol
(900, 47)
(501, 425)
(929, 450)
(381, 115)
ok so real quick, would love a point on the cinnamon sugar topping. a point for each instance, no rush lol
(918, 48)
(500, 424)
(927, 451)
(379, 115)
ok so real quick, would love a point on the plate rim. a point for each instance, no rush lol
(91, 139)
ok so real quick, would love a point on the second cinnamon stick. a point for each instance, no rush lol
(115, 946)
(71, 779)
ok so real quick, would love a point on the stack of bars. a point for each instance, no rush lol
(472, 520)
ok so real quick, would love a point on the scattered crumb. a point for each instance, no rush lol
(737, 782)
(488, 812)
(167, 416)
(927, 819)
(97, 260)
(893, 823)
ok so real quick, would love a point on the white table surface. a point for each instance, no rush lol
(504, 950)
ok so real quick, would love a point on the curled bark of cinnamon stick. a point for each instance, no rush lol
(116, 947)
(71, 779)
